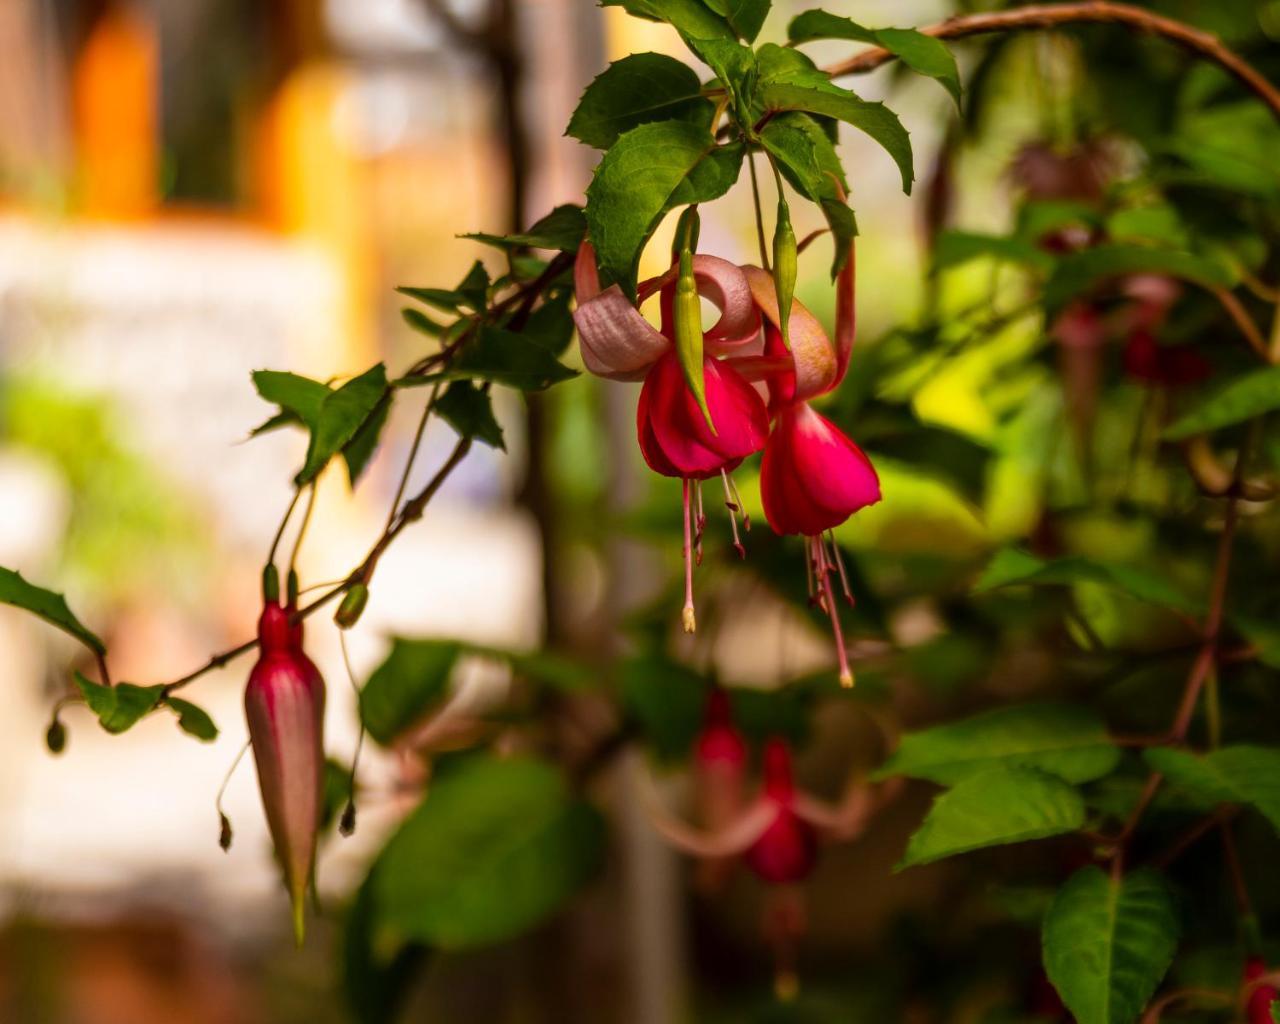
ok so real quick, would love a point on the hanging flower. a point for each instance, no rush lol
(719, 779)
(284, 705)
(1258, 1005)
(787, 850)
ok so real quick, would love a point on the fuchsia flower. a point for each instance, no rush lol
(284, 705)
(1262, 995)
(813, 477)
(719, 779)
(787, 849)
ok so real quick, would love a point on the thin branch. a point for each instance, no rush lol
(1041, 16)
(1242, 320)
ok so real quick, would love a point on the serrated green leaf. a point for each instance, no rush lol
(817, 24)
(1081, 271)
(745, 17)
(444, 299)
(505, 357)
(790, 81)
(1058, 739)
(992, 808)
(1240, 774)
(300, 396)
(357, 452)
(562, 229)
(121, 706)
(411, 682)
(342, 414)
(648, 171)
(469, 410)
(193, 719)
(1243, 398)
(954, 248)
(1013, 567)
(637, 90)
(551, 324)
(496, 847)
(1108, 942)
(692, 18)
(48, 605)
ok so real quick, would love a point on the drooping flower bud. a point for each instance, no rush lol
(284, 705)
(788, 849)
(785, 260)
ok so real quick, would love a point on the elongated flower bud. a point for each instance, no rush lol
(785, 263)
(284, 705)
(688, 315)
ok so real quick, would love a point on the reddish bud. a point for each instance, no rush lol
(284, 705)
(788, 849)
(719, 778)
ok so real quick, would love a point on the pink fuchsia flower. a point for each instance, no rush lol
(284, 705)
(787, 850)
(719, 779)
(676, 437)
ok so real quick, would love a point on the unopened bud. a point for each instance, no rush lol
(291, 588)
(270, 583)
(784, 268)
(352, 606)
(56, 737)
(347, 824)
(224, 831)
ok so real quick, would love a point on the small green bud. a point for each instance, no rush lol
(688, 317)
(270, 583)
(56, 738)
(784, 268)
(688, 228)
(352, 606)
(291, 588)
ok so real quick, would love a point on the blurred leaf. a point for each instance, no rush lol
(953, 248)
(121, 706)
(745, 17)
(563, 229)
(667, 699)
(46, 604)
(923, 54)
(790, 81)
(193, 719)
(1014, 567)
(1239, 774)
(1243, 398)
(648, 171)
(636, 90)
(692, 18)
(1058, 739)
(411, 682)
(419, 321)
(342, 415)
(474, 288)
(469, 410)
(495, 848)
(992, 808)
(1081, 271)
(445, 299)
(378, 971)
(1107, 943)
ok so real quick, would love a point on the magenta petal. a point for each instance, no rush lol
(616, 341)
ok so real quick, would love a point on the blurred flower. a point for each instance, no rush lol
(719, 778)
(1260, 999)
(787, 850)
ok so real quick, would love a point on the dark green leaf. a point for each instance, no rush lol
(300, 396)
(118, 707)
(441, 298)
(734, 66)
(496, 847)
(992, 808)
(551, 324)
(667, 701)
(474, 288)
(1240, 774)
(636, 90)
(817, 24)
(342, 414)
(408, 685)
(1237, 400)
(378, 970)
(469, 410)
(1081, 271)
(956, 247)
(790, 81)
(1107, 943)
(50, 606)
(745, 17)
(193, 719)
(647, 172)
(1058, 739)
(357, 452)
(419, 321)
(505, 357)
(691, 17)
(562, 229)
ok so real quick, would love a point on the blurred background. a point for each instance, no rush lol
(193, 189)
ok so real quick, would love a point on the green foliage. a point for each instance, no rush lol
(562, 229)
(496, 846)
(378, 970)
(469, 410)
(994, 807)
(1243, 398)
(505, 357)
(119, 707)
(745, 17)
(692, 18)
(410, 683)
(1240, 774)
(193, 719)
(955, 248)
(1058, 739)
(1079, 272)
(1107, 943)
(47, 605)
(634, 91)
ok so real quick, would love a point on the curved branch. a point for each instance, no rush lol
(1041, 16)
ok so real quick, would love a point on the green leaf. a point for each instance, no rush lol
(636, 90)
(496, 847)
(378, 970)
(998, 806)
(474, 288)
(357, 452)
(118, 707)
(790, 81)
(647, 172)
(505, 357)
(807, 158)
(48, 605)
(408, 685)
(1234, 402)
(563, 229)
(1108, 942)
(422, 323)
(923, 54)
(469, 410)
(1080, 271)
(193, 719)
(441, 298)
(1240, 774)
(1013, 567)
(667, 700)
(342, 414)
(692, 18)
(954, 248)
(745, 17)
(300, 396)
(1275, 1011)
(1058, 739)
(551, 324)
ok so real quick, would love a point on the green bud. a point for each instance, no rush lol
(688, 316)
(784, 268)
(352, 606)
(291, 589)
(688, 228)
(56, 738)
(270, 583)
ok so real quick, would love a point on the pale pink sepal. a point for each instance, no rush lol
(816, 368)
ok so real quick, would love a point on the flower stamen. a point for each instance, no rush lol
(734, 508)
(844, 575)
(687, 614)
(822, 570)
